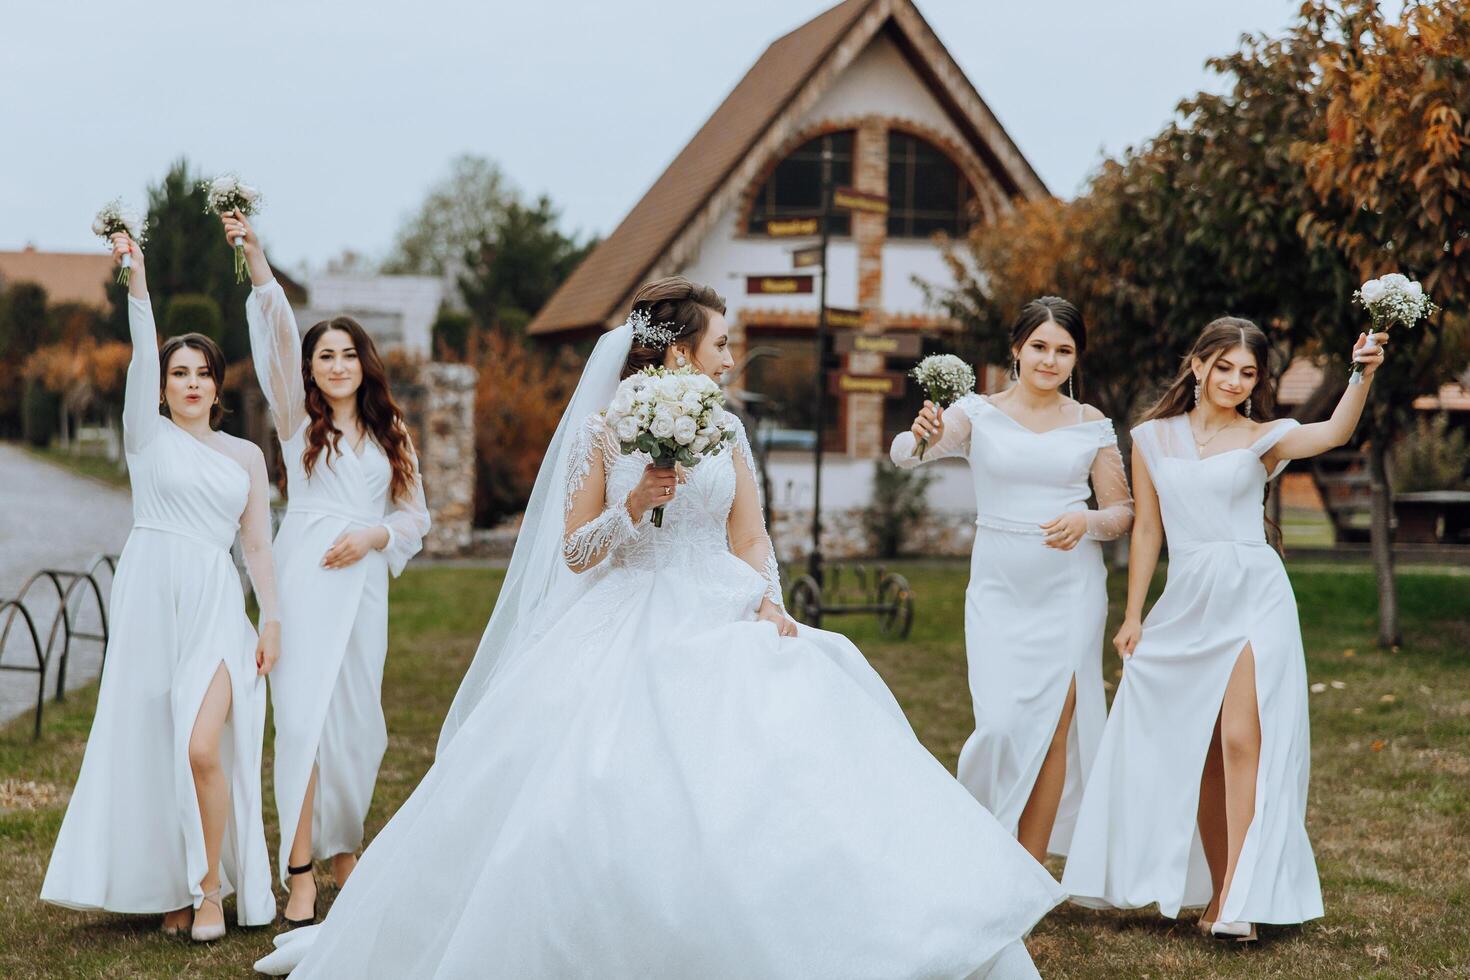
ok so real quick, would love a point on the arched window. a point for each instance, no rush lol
(926, 191)
(794, 189)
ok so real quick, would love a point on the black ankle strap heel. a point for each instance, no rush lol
(303, 869)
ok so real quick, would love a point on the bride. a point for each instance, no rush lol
(650, 771)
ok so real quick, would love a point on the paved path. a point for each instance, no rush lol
(52, 518)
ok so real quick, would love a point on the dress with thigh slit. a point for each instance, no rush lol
(132, 840)
(1034, 615)
(1137, 842)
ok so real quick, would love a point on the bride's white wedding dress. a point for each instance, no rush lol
(655, 784)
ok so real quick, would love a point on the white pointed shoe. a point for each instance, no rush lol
(1241, 932)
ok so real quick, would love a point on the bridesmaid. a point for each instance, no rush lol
(1199, 796)
(1037, 601)
(165, 816)
(355, 514)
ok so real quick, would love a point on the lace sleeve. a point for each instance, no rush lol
(407, 524)
(749, 539)
(140, 393)
(1113, 517)
(593, 529)
(275, 346)
(954, 441)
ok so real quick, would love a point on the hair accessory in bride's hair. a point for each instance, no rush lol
(650, 334)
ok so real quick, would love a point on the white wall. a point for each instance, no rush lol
(398, 311)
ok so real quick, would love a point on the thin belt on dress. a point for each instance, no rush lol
(181, 531)
(992, 523)
(1183, 548)
(340, 513)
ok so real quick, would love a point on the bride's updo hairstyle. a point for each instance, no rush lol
(679, 306)
(1219, 336)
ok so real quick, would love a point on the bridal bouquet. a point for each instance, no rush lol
(1392, 299)
(229, 193)
(673, 416)
(114, 218)
(947, 379)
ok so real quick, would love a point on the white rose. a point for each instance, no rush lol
(693, 402)
(1396, 281)
(668, 388)
(1415, 290)
(627, 429)
(662, 425)
(699, 444)
(684, 429)
(1373, 290)
(622, 402)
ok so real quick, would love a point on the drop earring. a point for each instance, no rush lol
(679, 360)
(1198, 390)
(1070, 393)
(1015, 369)
(1247, 408)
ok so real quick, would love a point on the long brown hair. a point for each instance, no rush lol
(379, 413)
(1221, 335)
(678, 305)
(214, 359)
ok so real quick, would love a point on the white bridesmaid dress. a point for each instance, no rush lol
(659, 786)
(1034, 616)
(326, 691)
(132, 840)
(1137, 841)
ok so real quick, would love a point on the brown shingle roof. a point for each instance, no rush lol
(67, 277)
(590, 294)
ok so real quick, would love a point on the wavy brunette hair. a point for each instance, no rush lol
(380, 414)
(681, 306)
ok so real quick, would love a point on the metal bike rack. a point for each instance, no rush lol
(66, 584)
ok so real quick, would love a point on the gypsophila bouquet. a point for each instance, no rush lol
(1394, 298)
(947, 379)
(229, 193)
(113, 218)
(673, 416)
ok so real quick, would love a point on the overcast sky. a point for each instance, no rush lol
(344, 113)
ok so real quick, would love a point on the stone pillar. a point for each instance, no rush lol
(445, 431)
(869, 231)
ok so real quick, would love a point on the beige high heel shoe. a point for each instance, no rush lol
(208, 934)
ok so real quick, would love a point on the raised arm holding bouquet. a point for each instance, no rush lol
(228, 194)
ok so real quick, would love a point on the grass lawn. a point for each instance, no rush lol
(1390, 805)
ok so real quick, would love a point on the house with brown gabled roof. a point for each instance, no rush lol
(871, 84)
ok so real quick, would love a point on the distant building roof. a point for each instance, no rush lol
(596, 289)
(67, 277)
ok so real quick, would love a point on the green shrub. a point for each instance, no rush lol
(899, 503)
(1430, 456)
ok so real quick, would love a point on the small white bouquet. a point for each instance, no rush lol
(113, 218)
(947, 379)
(673, 416)
(1395, 298)
(229, 193)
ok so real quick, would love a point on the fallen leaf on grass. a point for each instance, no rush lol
(1378, 745)
(1317, 688)
(1338, 685)
(1349, 652)
(1387, 699)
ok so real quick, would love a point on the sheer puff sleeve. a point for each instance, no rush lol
(955, 440)
(275, 346)
(255, 537)
(1113, 517)
(407, 523)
